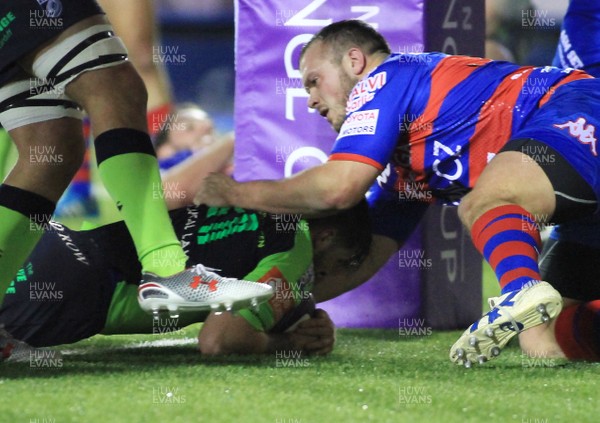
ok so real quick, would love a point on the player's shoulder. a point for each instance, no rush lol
(412, 63)
(400, 70)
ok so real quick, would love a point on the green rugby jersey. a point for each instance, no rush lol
(99, 274)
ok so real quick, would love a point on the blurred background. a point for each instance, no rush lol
(204, 32)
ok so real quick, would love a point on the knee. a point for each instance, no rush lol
(470, 208)
(129, 86)
(141, 55)
(477, 202)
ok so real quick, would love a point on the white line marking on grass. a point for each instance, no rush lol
(163, 343)
(141, 344)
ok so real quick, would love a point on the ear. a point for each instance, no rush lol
(323, 239)
(357, 61)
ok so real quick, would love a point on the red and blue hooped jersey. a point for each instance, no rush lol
(438, 119)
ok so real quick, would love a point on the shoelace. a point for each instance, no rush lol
(202, 270)
(492, 303)
(513, 322)
(493, 300)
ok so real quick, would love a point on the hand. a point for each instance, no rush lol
(315, 335)
(214, 190)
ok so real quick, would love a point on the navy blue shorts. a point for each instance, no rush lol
(62, 293)
(26, 25)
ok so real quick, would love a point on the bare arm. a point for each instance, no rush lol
(335, 185)
(225, 333)
(183, 181)
(333, 285)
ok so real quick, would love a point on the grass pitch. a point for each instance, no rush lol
(373, 375)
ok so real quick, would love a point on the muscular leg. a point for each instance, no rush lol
(127, 164)
(140, 40)
(120, 103)
(49, 155)
(90, 63)
(510, 178)
(511, 198)
(115, 99)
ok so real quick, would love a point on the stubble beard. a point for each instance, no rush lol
(347, 84)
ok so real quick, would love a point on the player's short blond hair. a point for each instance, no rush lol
(343, 35)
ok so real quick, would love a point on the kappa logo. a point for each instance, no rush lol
(584, 132)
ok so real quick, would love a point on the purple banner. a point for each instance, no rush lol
(277, 135)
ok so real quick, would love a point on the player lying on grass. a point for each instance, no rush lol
(398, 125)
(49, 75)
(77, 284)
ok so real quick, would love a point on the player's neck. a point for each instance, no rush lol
(373, 61)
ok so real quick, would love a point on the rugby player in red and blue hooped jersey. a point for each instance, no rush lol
(451, 114)
(515, 145)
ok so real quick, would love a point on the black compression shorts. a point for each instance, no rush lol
(577, 197)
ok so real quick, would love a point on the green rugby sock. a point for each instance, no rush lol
(129, 170)
(24, 215)
(5, 152)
